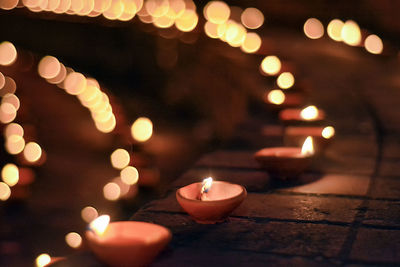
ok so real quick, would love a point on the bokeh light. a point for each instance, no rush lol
(15, 144)
(188, 21)
(74, 240)
(211, 29)
(351, 33)
(251, 43)
(112, 191)
(75, 83)
(313, 28)
(5, 191)
(12, 99)
(328, 132)
(309, 113)
(8, 53)
(89, 213)
(49, 67)
(276, 97)
(13, 129)
(130, 175)
(373, 44)
(334, 29)
(10, 174)
(7, 112)
(120, 158)
(42, 260)
(252, 18)
(8, 4)
(285, 80)
(142, 129)
(32, 152)
(271, 65)
(217, 12)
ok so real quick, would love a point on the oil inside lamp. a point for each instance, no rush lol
(309, 113)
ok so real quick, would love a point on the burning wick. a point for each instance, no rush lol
(99, 225)
(308, 148)
(205, 187)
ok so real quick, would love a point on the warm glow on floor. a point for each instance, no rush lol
(120, 158)
(271, 65)
(130, 175)
(313, 28)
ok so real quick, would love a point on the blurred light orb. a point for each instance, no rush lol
(217, 12)
(49, 67)
(75, 83)
(373, 44)
(285, 80)
(252, 18)
(157, 8)
(271, 65)
(334, 29)
(351, 33)
(89, 213)
(251, 43)
(8, 53)
(211, 29)
(42, 260)
(106, 126)
(74, 240)
(120, 158)
(276, 97)
(328, 132)
(10, 174)
(309, 113)
(163, 22)
(111, 191)
(2, 80)
(7, 112)
(235, 34)
(9, 86)
(313, 28)
(8, 4)
(130, 175)
(12, 99)
(188, 21)
(142, 129)
(32, 152)
(15, 144)
(5, 191)
(13, 129)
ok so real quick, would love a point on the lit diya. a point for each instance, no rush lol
(211, 201)
(126, 243)
(322, 136)
(306, 115)
(278, 99)
(286, 162)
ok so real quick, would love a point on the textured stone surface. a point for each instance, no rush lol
(385, 213)
(387, 188)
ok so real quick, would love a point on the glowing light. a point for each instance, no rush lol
(8, 4)
(89, 213)
(313, 28)
(32, 152)
(206, 185)
(2, 80)
(163, 22)
(130, 175)
(217, 12)
(235, 34)
(13, 129)
(74, 240)
(43, 259)
(276, 97)
(99, 225)
(101, 5)
(271, 65)
(75, 83)
(176, 8)
(328, 132)
(7, 112)
(142, 129)
(9, 86)
(308, 148)
(334, 30)
(251, 43)
(60, 76)
(188, 21)
(120, 158)
(111, 191)
(49, 67)
(252, 18)
(373, 44)
(157, 8)
(309, 113)
(285, 80)
(211, 29)
(8, 53)
(351, 33)
(5, 191)
(10, 174)
(107, 126)
(12, 99)
(15, 144)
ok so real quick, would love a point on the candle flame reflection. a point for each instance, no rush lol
(99, 225)
(308, 148)
(309, 113)
(206, 185)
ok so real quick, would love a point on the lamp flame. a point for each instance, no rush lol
(328, 132)
(308, 148)
(309, 113)
(99, 225)
(206, 185)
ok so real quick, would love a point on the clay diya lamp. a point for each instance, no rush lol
(126, 243)
(277, 99)
(286, 162)
(322, 136)
(310, 114)
(211, 201)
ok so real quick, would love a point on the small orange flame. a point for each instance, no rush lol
(99, 225)
(308, 148)
(309, 113)
(206, 185)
